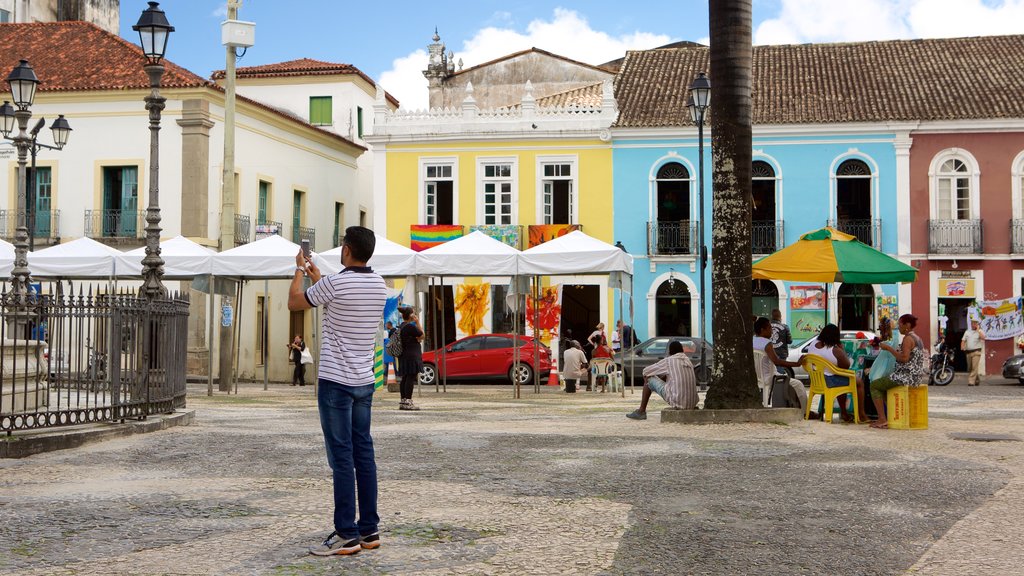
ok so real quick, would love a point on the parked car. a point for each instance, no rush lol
(1013, 368)
(851, 339)
(487, 357)
(634, 360)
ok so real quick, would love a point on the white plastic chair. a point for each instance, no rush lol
(606, 367)
(765, 375)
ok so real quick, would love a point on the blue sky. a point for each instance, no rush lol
(388, 40)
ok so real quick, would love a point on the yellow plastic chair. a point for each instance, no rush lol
(816, 366)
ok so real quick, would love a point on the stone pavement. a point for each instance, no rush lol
(479, 483)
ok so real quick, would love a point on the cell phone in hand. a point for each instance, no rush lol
(305, 248)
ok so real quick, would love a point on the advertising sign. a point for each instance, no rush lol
(956, 288)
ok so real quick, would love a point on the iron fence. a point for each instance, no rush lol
(955, 237)
(867, 230)
(1017, 236)
(115, 224)
(766, 236)
(302, 233)
(676, 237)
(242, 229)
(47, 224)
(74, 359)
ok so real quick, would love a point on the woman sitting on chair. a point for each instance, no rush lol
(831, 349)
(602, 350)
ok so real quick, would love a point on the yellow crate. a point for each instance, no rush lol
(907, 408)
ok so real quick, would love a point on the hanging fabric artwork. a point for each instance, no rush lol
(549, 312)
(1000, 319)
(472, 302)
(423, 236)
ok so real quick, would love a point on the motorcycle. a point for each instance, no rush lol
(941, 370)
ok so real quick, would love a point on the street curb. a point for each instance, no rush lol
(758, 415)
(36, 442)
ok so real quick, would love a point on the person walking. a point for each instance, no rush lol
(410, 363)
(295, 349)
(972, 344)
(353, 302)
(781, 335)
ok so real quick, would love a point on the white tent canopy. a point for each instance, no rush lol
(475, 254)
(270, 257)
(6, 258)
(574, 253)
(389, 259)
(81, 258)
(182, 257)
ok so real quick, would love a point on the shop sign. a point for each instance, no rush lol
(956, 288)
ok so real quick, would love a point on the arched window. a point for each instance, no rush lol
(953, 191)
(853, 200)
(675, 232)
(954, 183)
(763, 211)
(672, 309)
(765, 297)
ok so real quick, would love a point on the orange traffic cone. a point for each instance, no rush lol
(553, 378)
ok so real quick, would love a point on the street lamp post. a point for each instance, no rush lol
(700, 99)
(153, 30)
(23, 82)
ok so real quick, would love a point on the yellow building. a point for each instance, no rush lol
(534, 168)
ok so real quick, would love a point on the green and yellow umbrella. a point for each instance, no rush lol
(828, 255)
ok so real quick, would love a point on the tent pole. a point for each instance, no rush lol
(209, 339)
(632, 357)
(536, 334)
(515, 330)
(237, 335)
(444, 338)
(263, 328)
(622, 344)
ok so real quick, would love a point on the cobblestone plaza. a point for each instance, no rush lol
(479, 483)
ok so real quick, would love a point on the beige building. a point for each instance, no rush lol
(103, 13)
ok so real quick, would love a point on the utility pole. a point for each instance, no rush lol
(227, 214)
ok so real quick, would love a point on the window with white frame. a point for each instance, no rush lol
(438, 189)
(953, 191)
(497, 185)
(558, 197)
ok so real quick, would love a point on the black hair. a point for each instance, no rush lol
(760, 324)
(406, 312)
(361, 242)
(675, 347)
(829, 335)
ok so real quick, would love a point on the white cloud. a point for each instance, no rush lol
(221, 11)
(567, 33)
(800, 21)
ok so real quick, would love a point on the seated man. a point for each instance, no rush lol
(575, 368)
(673, 378)
(763, 343)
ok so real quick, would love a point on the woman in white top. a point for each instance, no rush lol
(829, 347)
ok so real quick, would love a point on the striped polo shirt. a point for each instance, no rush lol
(353, 302)
(680, 380)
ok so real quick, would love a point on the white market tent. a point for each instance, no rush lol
(183, 258)
(82, 258)
(6, 258)
(475, 254)
(574, 253)
(270, 257)
(390, 259)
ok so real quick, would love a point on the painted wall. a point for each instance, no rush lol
(804, 165)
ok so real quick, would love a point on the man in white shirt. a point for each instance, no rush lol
(763, 342)
(575, 366)
(972, 344)
(673, 378)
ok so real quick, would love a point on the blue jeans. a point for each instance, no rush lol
(345, 420)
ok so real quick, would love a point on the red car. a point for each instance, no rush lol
(487, 357)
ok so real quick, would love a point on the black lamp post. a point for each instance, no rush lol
(153, 30)
(23, 82)
(700, 99)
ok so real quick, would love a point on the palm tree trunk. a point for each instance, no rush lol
(733, 381)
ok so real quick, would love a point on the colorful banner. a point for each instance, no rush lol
(806, 297)
(506, 233)
(887, 308)
(956, 288)
(806, 323)
(472, 302)
(1000, 319)
(541, 233)
(423, 236)
(549, 313)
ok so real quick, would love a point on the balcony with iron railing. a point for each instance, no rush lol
(766, 236)
(115, 225)
(267, 228)
(45, 230)
(867, 230)
(1017, 236)
(301, 233)
(672, 238)
(243, 229)
(955, 237)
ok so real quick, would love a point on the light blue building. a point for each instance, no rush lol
(808, 172)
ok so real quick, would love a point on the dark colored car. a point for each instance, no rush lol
(634, 360)
(485, 357)
(1013, 368)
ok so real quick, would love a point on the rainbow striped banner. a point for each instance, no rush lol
(423, 236)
